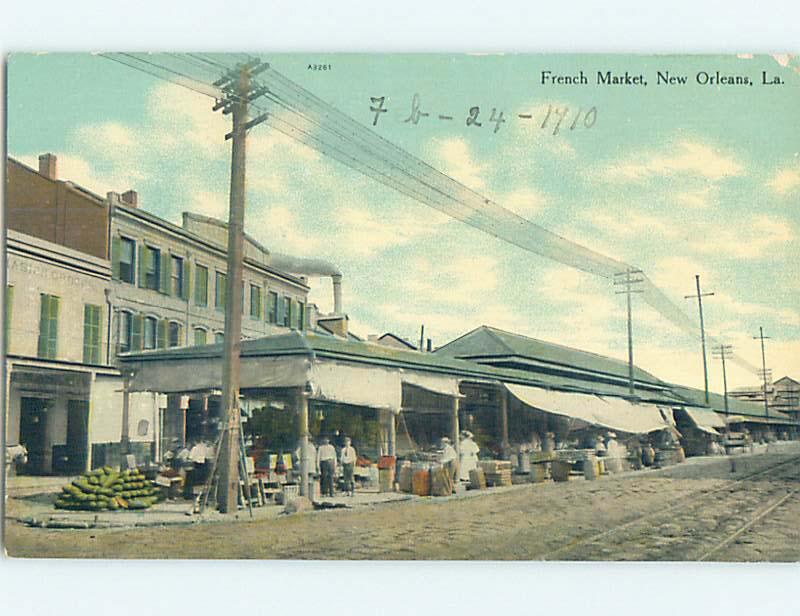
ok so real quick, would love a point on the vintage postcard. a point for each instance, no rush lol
(402, 306)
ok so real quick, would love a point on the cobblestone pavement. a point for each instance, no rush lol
(696, 510)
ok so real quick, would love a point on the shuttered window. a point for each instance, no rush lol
(200, 336)
(287, 312)
(255, 301)
(272, 307)
(176, 282)
(201, 285)
(174, 335)
(48, 326)
(150, 325)
(219, 291)
(123, 259)
(91, 334)
(301, 315)
(125, 331)
(151, 265)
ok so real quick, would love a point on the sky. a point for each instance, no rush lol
(679, 180)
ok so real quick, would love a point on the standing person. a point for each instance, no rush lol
(348, 459)
(469, 455)
(326, 461)
(448, 457)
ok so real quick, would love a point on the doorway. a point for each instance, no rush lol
(33, 432)
(77, 435)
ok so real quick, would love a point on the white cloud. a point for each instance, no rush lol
(785, 181)
(524, 201)
(752, 238)
(461, 280)
(454, 157)
(685, 157)
(698, 198)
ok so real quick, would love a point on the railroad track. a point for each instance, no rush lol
(693, 500)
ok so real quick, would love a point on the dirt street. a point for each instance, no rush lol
(696, 510)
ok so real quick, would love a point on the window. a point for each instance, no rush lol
(91, 334)
(301, 315)
(125, 331)
(126, 260)
(272, 307)
(201, 285)
(287, 312)
(152, 268)
(149, 340)
(143, 427)
(48, 326)
(255, 301)
(219, 337)
(219, 291)
(176, 278)
(174, 334)
(200, 336)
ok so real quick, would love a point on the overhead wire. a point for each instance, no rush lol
(336, 135)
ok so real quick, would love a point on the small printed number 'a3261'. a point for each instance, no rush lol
(320, 67)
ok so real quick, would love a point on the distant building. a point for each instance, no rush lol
(783, 395)
(392, 340)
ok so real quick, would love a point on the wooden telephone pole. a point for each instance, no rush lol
(628, 279)
(237, 87)
(722, 351)
(765, 374)
(700, 297)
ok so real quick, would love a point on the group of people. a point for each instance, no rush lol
(462, 462)
(326, 459)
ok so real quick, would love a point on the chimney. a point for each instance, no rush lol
(429, 348)
(337, 293)
(131, 198)
(47, 166)
(336, 324)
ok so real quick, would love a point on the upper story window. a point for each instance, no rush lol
(200, 336)
(174, 334)
(301, 316)
(176, 283)
(272, 307)
(201, 285)
(150, 327)
(151, 268)
(255, 301)
(219, 291)
(48, 326)
(125, 331)
(91, 334)
(219, 337)
(126, 261)
(287, 312)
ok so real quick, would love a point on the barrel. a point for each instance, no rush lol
(590, 468)
(561, 470)
(539, 472)
(405, 478)
(421, 483)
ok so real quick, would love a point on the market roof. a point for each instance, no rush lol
(696, 397)
(491, 345)
(319, 345)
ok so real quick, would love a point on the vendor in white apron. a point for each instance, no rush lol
(469, 455)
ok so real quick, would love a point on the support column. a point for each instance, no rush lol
(93, 380)
(305, 462)
(392, 434)
(125, 438)
(456, 430)
(504, 423)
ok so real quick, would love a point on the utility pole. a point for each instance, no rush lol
(700, 297)
(764, 372)
(628, 279)
(238, 94)
(721, 351)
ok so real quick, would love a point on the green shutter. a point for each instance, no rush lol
(116, 250)
(137, 325)
(166, 274)
(187, 280)
(44, 325)
(279, 311)
(91, 334)
(141, 265)
(7, 316)
(161, 334)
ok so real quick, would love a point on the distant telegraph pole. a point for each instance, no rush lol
(700, 297)
(722, 351)
(238, 94)
(629, 278)
(765, 374)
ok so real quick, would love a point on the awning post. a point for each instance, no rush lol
(392, 422)
(305, 463)
(504, 423)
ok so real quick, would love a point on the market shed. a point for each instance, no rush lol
(427, 394)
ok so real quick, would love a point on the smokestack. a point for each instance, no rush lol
(131, 198)
(429, 348)
(337, 293)
(47, 166)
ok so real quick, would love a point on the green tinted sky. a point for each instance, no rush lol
(676, 179)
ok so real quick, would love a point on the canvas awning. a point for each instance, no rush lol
(608, 412)
(438, 384)
(706, 420)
